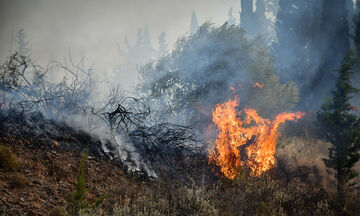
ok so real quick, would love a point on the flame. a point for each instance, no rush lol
(249, 142)
(258, 85)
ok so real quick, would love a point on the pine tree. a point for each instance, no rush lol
(194, 23)
(231, 19)
(23, 43)
(261, 21)
(333, 44)
(339, 126)
(163, 47)
(247, 16)
(254, 22)
(78, 196)
(357, 27)
(297, 30)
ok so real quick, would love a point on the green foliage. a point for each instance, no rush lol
(341, 127)
(203, 66)
(78, 196)
(78, 203)
(8, 161)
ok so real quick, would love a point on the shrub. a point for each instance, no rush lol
(59, 211)
(18, 181)
(8, 161)
(78, 204)
(180, 201)
(77, 200)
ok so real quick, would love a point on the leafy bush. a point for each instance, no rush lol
(8, 161)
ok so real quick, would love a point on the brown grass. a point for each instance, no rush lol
(8, 160)
(18, 181)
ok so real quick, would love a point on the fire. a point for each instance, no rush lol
(249, 142)
(258, 85)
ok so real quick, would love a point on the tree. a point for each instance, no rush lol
(23, 43)
(341, 127)
(254, 22)
(313, 37)
(194, 25)
(332, 45)
(297, 30)
(231, 19)
(357, 28)
(201, 70)
(81, 187)
(247, 16)
(163, 47)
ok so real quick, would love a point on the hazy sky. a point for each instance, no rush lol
(93, 27)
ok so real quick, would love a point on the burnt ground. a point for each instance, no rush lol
(49, 155)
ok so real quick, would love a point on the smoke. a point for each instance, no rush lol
(312, 39)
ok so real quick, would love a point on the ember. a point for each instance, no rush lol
(249, 142)
(258, 85)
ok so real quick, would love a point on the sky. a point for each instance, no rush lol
(92, 28)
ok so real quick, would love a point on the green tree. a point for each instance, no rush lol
(341, 127)
(77, 202)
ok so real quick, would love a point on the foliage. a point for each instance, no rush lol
(77, 201)
(341, 127)
(8, 160)
(203, 66)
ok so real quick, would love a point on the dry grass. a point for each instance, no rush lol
(8, 161)
(18, 181)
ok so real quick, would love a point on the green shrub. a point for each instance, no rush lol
(8, 161)
(18, 181)
(78, 203)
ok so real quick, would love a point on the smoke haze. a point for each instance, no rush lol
(93, 28)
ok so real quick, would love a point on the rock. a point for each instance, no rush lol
(54, 144)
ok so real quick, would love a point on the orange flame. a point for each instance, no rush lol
(249, 142)
(258, 85)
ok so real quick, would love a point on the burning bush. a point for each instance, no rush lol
(249, 142)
